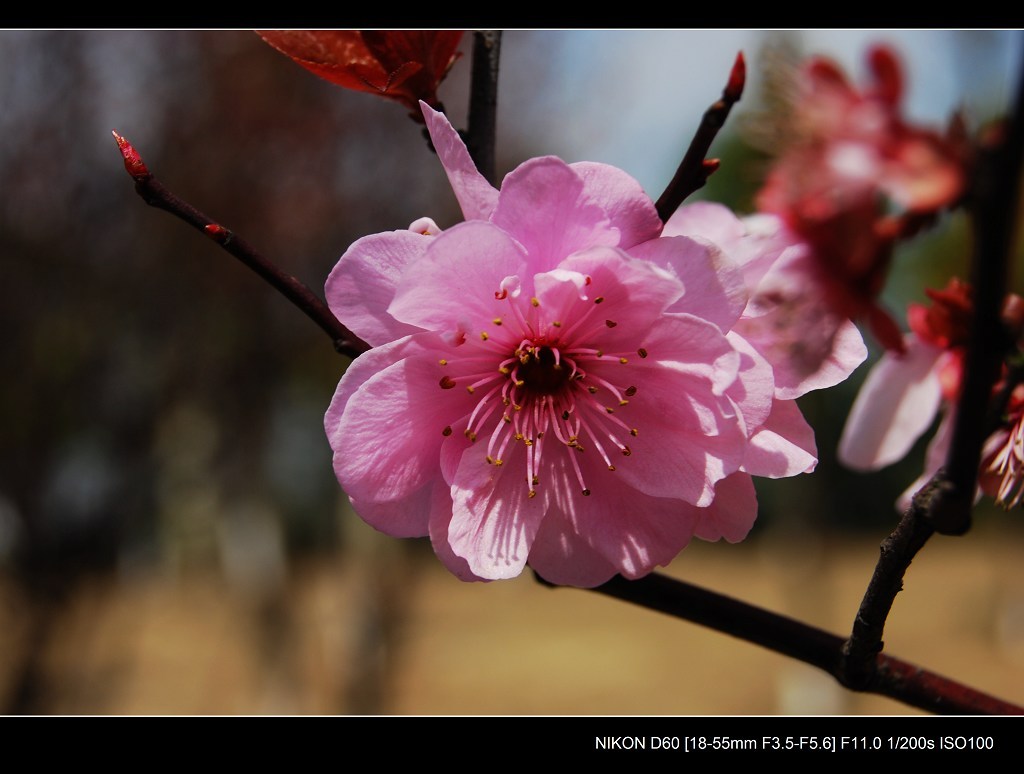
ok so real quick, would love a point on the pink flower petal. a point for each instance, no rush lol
(494, 520)
(897, 403)
(754, 388)
(454, 284)
(733, 512)
(715, 289)
(476, 196)
(386, 446)
(611, 531)
(562, 556)
(783, 446)
(934, 458)
(620, 197)
(544, 206)
(362, 284)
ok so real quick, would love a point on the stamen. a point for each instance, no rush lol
(447, 431)
(610, 323)
(642, 352)
(446, 382)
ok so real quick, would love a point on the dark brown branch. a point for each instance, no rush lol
(893, 678)
(993, 201)
(695, 168)
(155, 194)
(483, 102)
(896, 553)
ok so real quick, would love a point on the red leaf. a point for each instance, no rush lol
(406, 66)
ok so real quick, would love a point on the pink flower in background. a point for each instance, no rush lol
(552, 381)
(904, 392)
(788, 318)
(857, 176)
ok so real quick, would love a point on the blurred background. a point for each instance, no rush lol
(172, 538)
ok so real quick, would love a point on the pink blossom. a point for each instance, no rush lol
(1002, 462)
(788, 318)
(856, 177)
(904, 392)
(553, 382)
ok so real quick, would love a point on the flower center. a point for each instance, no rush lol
(543, 385)
(542, 374)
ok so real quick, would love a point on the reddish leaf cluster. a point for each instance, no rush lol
(406, 66)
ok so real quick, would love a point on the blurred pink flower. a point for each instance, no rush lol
(553, 382)
(855, 177)
(787, 318)
(904, 392)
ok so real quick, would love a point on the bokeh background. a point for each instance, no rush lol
(172, 539)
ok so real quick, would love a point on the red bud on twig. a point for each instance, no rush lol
(132, 161)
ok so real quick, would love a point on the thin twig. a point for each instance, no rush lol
(695, 169)
(483, 102)
(892, 677)
(155, 194)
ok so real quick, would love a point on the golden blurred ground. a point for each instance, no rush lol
(393, 632)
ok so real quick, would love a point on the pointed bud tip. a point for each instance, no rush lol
(132, 161)
(737, 79)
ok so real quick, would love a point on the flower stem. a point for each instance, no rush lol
(155, 194)
(483, 102)
(695, 168)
